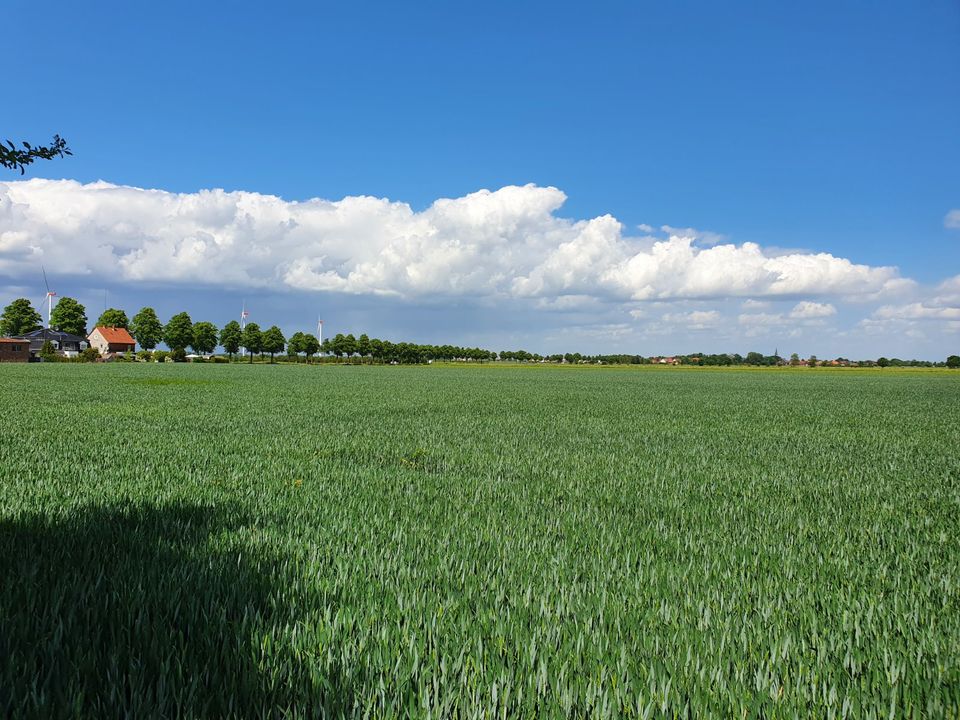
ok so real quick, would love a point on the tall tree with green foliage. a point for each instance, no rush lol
(19, 317)
(114, 318)
(953, 361)
(273, 341)
(363, 345)
(230, 337)
(309, 345)
(252, 339)
(295, 344)
(146, 328)
(349, 345)
(204, 337)
(178, 333)
(69, 316)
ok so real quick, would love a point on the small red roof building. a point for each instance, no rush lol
(111, 340)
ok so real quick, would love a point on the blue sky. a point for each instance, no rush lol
(811, 128)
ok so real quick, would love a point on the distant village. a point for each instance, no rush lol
(114, 337)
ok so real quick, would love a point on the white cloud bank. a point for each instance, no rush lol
(917, 311)
(507, 243)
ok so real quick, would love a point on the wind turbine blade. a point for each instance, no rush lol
(45, 279)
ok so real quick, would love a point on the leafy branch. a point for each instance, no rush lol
(13, 157)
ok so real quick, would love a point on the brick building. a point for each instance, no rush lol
(13, 350)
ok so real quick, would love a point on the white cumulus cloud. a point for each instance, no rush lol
(917, 311)
(694, 320)
(947, 292)
(952, 219)
(505, 243)
(807, 309)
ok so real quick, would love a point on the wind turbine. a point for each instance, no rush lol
(320, 331)
(50, 295)
(243, 322)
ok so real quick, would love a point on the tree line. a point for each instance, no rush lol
(180, 333)
(344, 346)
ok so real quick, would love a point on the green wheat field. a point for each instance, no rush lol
(304, 541)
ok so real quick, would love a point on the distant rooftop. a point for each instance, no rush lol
(114, 335)
(50, 334)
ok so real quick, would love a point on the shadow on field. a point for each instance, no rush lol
(135, 612)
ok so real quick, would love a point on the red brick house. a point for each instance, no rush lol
(111, 340)
(13, 350)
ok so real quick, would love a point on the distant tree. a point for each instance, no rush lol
(754, 358)
(14, 158)
(349, 346)
(204, 338)
(953, 361)
(363, 345)
(146, 328)
(48, 352)
(410, 353)
(812, 361)
(273, 341)
(309, 345)
(69, 316)
(794, 359)
(252, 339)
(394, 351)
(883, 362)
(178, 333)
(19, 317)
(231, 337)
(295, 344)
(113, 318)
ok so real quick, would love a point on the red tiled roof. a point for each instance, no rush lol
(12, 340)
(115, 335)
